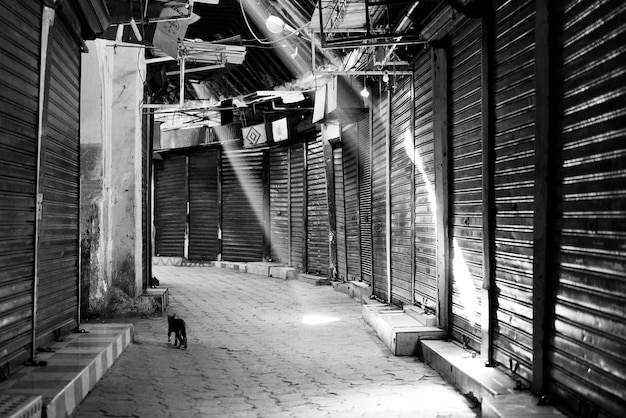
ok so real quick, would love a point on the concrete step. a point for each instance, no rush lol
(231, 265)
(495, 390)
(71, 368)
(313, 279)
(160, 294)
(400, 332)
(359, 291)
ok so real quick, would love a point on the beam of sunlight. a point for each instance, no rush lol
(416, 158)
(318, 319)
(465, 285)
(252, 185)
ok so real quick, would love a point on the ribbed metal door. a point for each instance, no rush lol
(242, 205)
(317, 211)
(18, 174)
(351, 186)
(296, 205)
(340, 214)
(57, 291)
(279, 204)
(586, 349)
(204, 211)
(514, 92)
(402, 150)
(425, 228)
(170, 205)
(364, 168)
(466, 182)
(379, 198)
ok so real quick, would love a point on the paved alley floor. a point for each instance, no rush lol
(265, 347)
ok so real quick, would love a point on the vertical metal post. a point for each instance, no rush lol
(47, 23)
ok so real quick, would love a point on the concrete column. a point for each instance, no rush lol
(111, 151)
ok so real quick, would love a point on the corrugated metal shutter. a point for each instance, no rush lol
(57, 292)
(242, 205)
(340, 214)
(514, 181)
(466, 182)
(402, 150)
(20, 28)
(317, 211)
(586, 353)
(351, 185)
(296, 205)
(171, 205)
(279, 204)
(425, 228)
(204, 212)
(379, 199)
(364, 168)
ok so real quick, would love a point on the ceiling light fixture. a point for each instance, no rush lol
(386, 77)
(275, 24)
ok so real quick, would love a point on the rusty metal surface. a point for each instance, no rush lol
(514, 92)
(586, 352)
(466, 182)
(204, 212)
(317, 211)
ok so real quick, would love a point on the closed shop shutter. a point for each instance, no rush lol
(20, 29)
(402, 149)
(364, 168)
(586, 353)
(204, 211)
(171, 205)
(513, 182)
(425, 228)
(296, 206)
(340, 214)
(317, 211)
(57, 292)
(351, 186)
(379, 198)
(242, 205)
(466, 182)
(279, 204)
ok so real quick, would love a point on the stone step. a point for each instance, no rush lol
(400, 332)
(65, 374)
(161, 296)
(497, 392)
(313, 279)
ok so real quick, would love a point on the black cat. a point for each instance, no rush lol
(177, 326)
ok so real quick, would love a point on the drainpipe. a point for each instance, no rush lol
(388, 195)
(47, 22)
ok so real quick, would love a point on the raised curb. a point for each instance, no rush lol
(312, 279)
(91, 353)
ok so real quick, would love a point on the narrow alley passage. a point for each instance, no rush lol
(265, 347)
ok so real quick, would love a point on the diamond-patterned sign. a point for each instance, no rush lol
(254, 136)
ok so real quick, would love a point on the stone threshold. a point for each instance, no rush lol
(409, 332)
(70, 369)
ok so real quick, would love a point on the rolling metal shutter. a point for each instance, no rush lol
(586, 355)
(402, 150)
(204, 212)
(425, 228)
(351, 186)
(243, 237)
(57, 291)
(379, 198)
(340, 214)
(317, 211)
(513, 183)
(364, 168)
(466, 182)
(296, 206)
(171, 205)
(279, 204)
(20, 29)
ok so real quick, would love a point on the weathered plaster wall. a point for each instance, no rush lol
(111, 236)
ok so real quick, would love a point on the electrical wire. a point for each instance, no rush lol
(261, 41)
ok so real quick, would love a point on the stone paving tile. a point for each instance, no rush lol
(251, 354)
